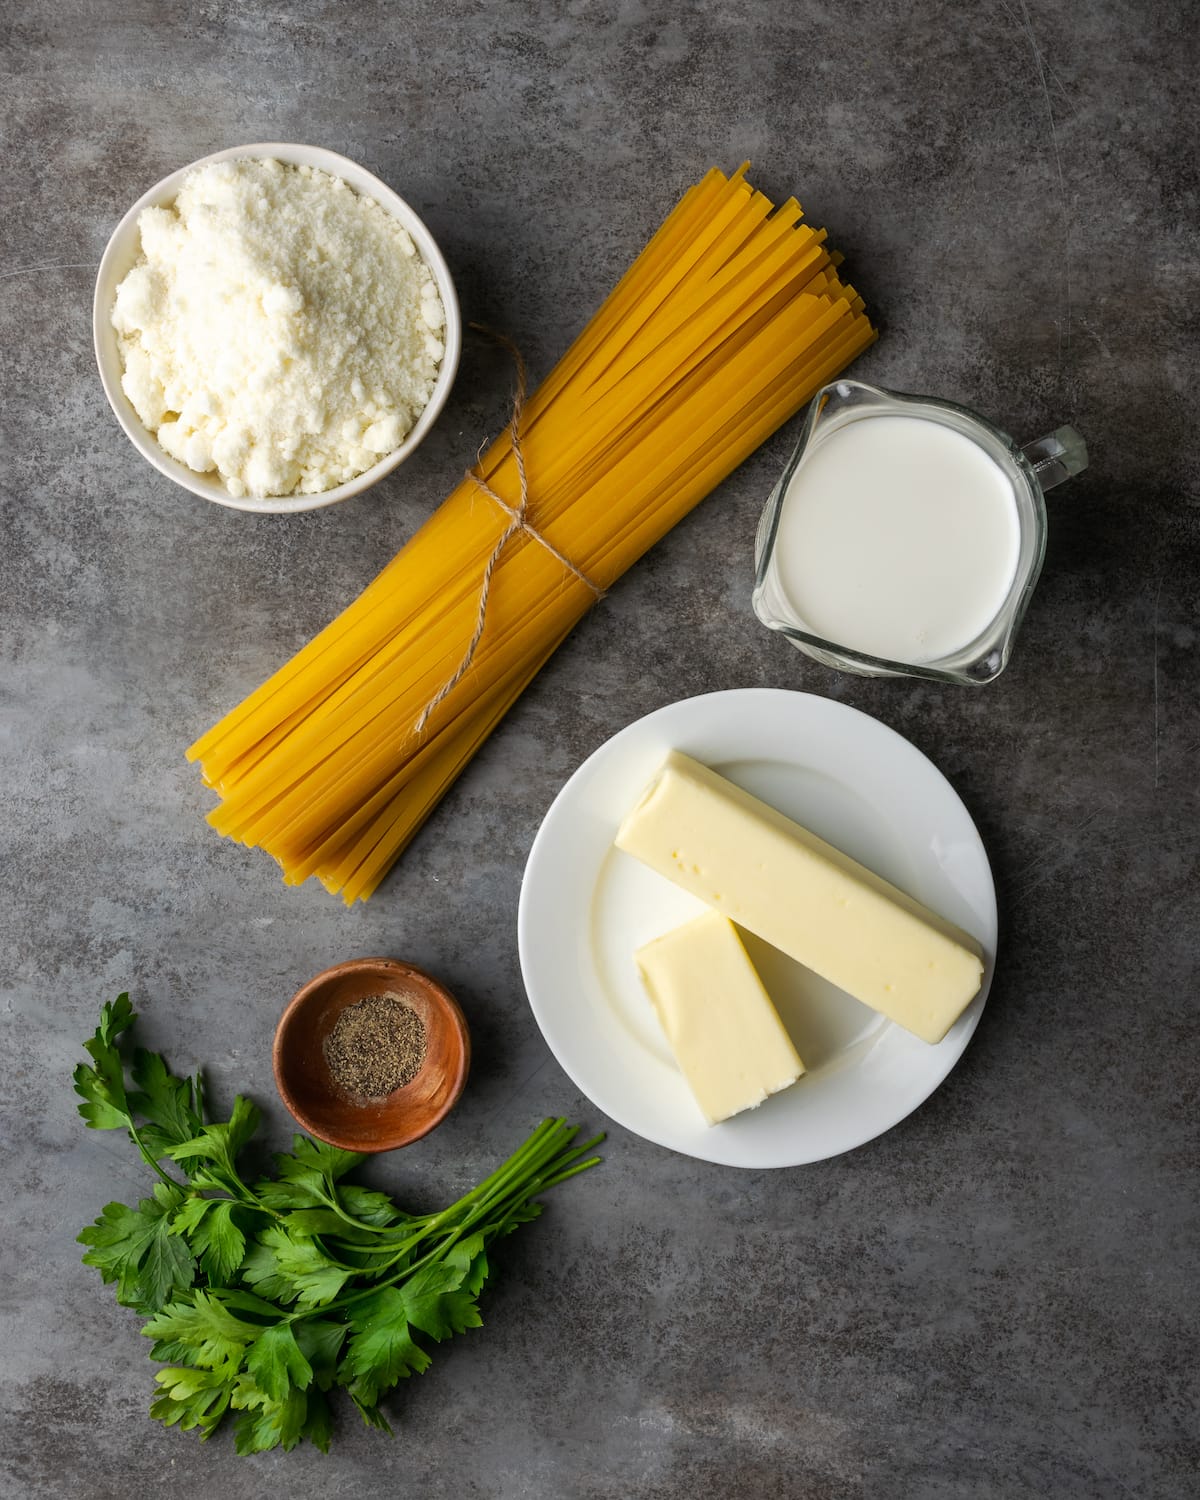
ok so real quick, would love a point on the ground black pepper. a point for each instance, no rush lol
(376, 1046)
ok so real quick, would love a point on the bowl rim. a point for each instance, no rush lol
(389, 970)
(108, 361)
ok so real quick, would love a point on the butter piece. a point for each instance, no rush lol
(803, 896)
(723, 1029)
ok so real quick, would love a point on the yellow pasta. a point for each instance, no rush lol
(724, 326)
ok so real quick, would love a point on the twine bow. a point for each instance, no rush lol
(517, 522)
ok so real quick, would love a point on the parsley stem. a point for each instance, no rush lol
(543, 1162)
(149, 1159)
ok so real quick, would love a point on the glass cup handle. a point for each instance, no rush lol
(1059, 456)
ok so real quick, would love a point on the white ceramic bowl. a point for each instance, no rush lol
(121, 253)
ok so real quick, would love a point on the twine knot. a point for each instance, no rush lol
(518, 522)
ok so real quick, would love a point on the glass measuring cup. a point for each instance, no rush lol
(1030, 469)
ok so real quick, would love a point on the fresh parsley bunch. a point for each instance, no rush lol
(263, 1296)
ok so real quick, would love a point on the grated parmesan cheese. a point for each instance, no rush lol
(278, 328)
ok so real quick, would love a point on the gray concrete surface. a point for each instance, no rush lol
(994, 1300)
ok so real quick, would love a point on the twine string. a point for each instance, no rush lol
(518, 522)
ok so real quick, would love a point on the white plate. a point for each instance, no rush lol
(585, 907)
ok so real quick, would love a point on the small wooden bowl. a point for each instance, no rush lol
(401, 1117)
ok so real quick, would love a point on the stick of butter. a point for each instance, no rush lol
(803, 896)
(726, 1035)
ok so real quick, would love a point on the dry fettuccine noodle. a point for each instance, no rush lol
(724, 326)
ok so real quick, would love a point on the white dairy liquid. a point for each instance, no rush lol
(898, 537)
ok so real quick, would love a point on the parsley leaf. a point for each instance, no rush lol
(167, 1267)
(265, 1424)
(469, 1257)
(318, 1420)
(316, 1278)
(168, 1103)
(330, 1161)
(382, 1349)
(281, 1196)
(137, 1249)
(276, 1364)
(102, 1086)
(293, 1268)
(220, 1143)
(262, 1271)
(367, 1206)
(321, 1342)
(192, 1398)
(436, 1303)
(206, 1327)
(370, 1413)
(214, 1236)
